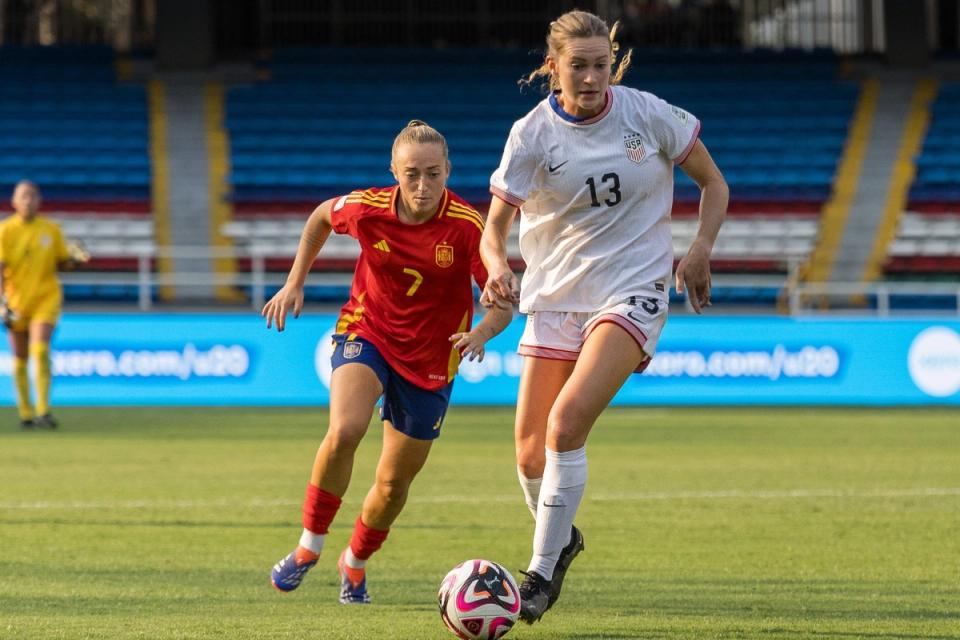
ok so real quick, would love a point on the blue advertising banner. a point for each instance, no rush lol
(223, 359)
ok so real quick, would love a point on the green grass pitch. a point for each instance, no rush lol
(699, 523)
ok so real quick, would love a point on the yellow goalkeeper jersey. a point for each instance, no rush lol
(30, 252)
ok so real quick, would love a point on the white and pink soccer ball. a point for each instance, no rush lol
(479, 600)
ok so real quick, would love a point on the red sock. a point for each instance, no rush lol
(365, 541)
(319, 508)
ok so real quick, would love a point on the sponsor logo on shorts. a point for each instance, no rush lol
(352, 349)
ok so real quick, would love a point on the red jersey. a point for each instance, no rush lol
(411, 289)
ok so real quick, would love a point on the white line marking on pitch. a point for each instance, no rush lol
(922, 492)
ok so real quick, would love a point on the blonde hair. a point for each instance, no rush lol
(578, 24)
(419, 132)
(26, 183)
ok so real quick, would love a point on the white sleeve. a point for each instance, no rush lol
(675, 129)
(512, 182)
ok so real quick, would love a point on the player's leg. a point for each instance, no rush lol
(550, 344)
(41, 332)
(354, 390)
(412, 419)
(19, 340)
(609, 355)
(400, 461)
(540, 382)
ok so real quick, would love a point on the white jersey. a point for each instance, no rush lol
(595, 197)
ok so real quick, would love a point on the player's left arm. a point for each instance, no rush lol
(70, 253)
(693, 272)
(472, 343)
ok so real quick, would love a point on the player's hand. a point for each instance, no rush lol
(693, 276)
(470, 344)
(502, 290)
(7, 315)
(289, 298)
(78, 251)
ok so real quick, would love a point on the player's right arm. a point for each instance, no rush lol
(503, 287)
(6, 313)
(290, 297)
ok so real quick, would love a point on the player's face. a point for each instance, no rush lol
(25, 200)
(583, 71)
(421, 170)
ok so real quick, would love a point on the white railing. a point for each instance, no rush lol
(801, 298)
(845, 297)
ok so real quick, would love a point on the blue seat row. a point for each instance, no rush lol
(67, 124)
(67, 161)
(938, 166)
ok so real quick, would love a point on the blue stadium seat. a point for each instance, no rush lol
(324, 122)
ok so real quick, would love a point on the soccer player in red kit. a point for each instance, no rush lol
(401, 336)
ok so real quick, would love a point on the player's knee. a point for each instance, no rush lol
(393, 489)
(344, 439)
(531, 462)
(566, 428)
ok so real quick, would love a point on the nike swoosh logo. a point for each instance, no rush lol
(552, 169)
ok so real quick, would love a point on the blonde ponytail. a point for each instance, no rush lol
(577, 24)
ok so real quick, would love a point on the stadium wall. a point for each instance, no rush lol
(223, 359)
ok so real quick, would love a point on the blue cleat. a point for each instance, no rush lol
(353, 583)
(289, 572)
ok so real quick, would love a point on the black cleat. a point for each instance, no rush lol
(534, 597)
(47, 421)
(569, 552)
(27, 425)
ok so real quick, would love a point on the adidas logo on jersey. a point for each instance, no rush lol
(383, 246)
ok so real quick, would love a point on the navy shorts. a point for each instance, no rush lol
(412, 410)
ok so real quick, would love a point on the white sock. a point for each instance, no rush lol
(353, 561)
(564, 479)
(531, 491)
(312, 541)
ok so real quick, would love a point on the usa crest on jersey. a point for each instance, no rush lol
(444, 255)
(634, 148)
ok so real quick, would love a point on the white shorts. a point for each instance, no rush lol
(559, 335)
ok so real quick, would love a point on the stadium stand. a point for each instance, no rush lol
(927, 243)
(322, 124)
(67, 124)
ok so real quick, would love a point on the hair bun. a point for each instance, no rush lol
(417, 123)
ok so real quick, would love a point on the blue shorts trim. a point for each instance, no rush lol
(412, 410)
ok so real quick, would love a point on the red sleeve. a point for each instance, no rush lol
(476, 265)
(344, 213)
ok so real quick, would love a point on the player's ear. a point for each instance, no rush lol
(393, 171)
(551, 64)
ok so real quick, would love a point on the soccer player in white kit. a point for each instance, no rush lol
(591, 170)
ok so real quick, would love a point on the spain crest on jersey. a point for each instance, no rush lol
(634, 148)
(444, 255)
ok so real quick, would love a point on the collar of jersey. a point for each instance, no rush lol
(436, 214)
(555, 105)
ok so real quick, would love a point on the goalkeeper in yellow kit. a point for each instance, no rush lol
(32, 248)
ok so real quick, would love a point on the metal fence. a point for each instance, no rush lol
(247, 26)
(253, 286)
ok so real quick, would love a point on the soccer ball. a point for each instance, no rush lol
(479, 600)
